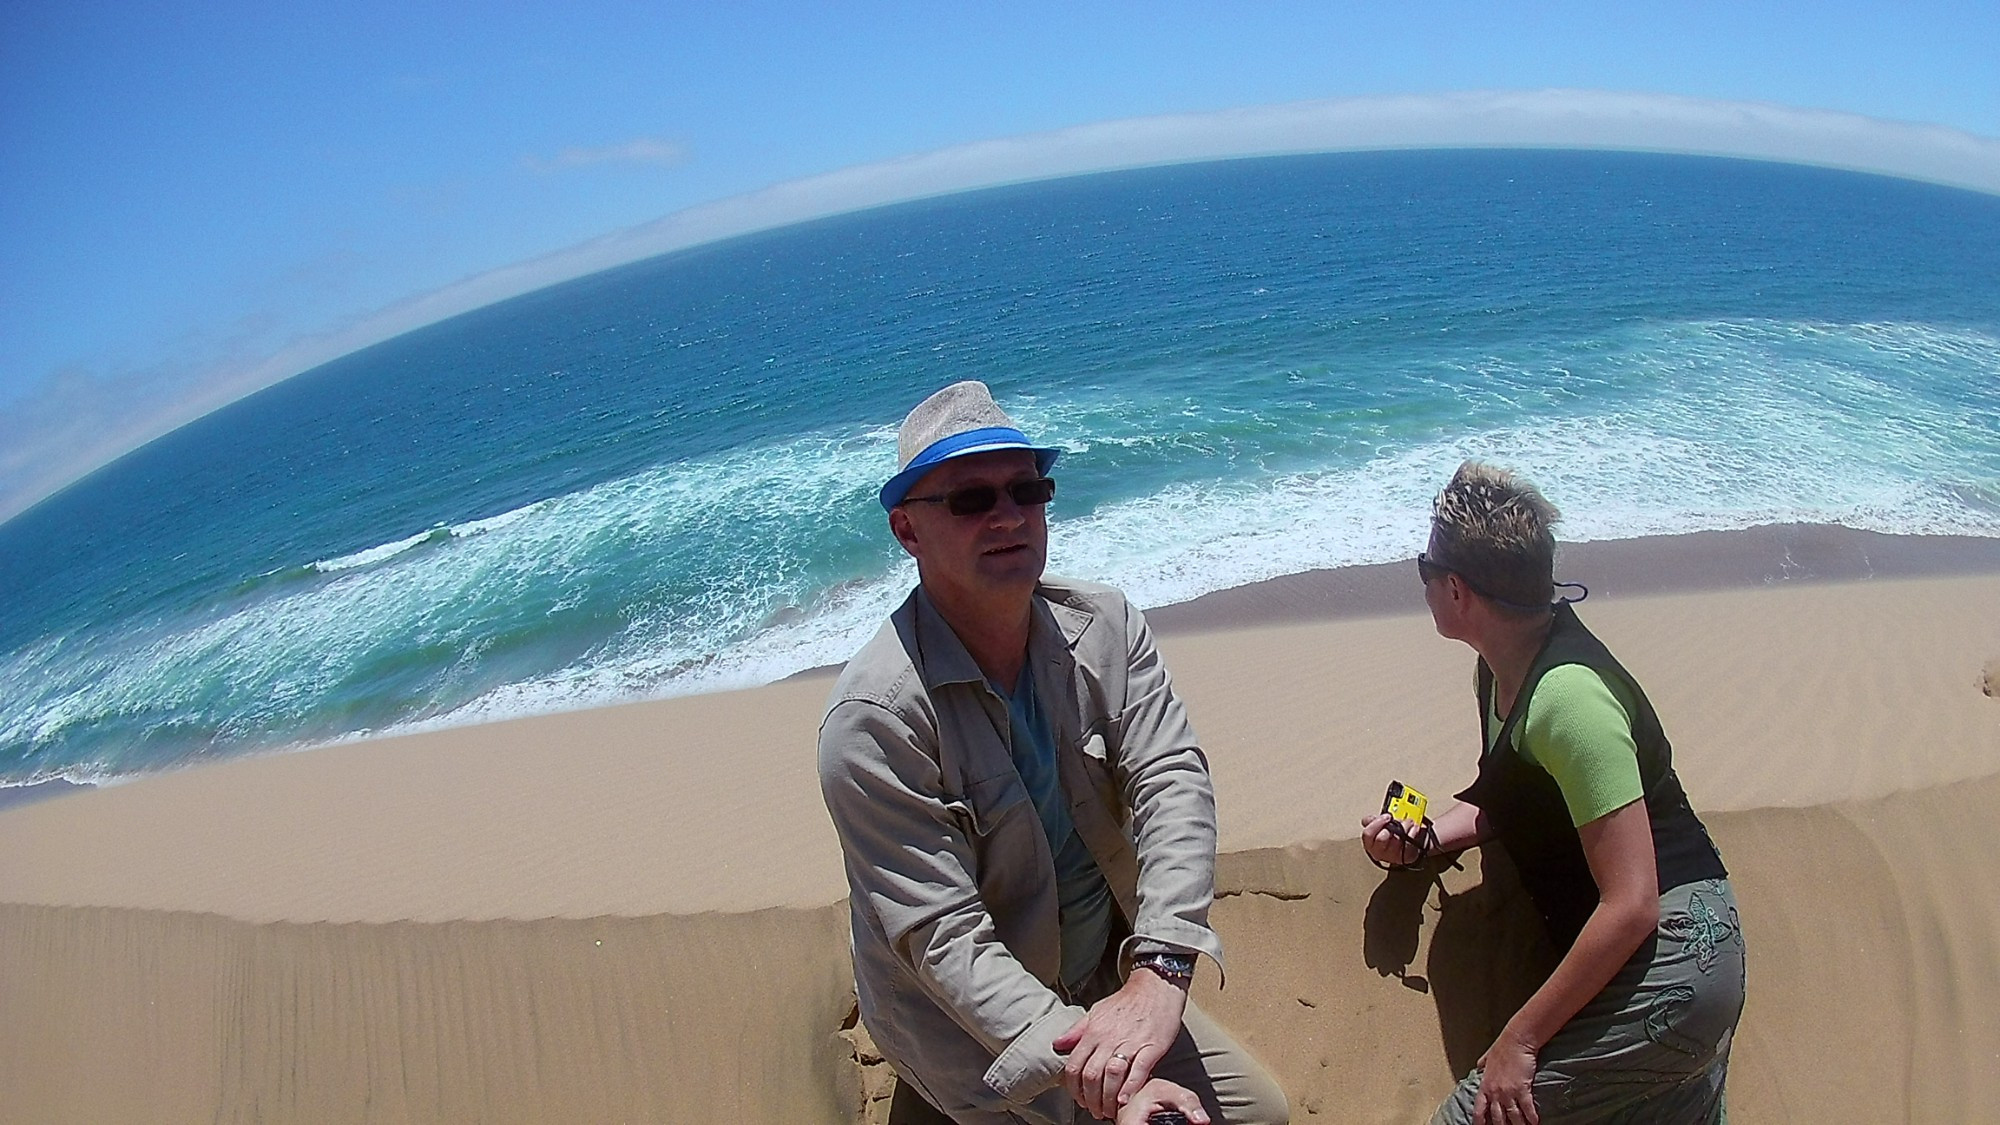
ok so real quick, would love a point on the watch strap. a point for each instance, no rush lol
(1174, 968)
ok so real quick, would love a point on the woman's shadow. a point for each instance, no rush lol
(1487, 950)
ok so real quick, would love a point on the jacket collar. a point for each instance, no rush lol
(1053, 630)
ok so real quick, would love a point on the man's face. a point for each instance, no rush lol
(995, 552)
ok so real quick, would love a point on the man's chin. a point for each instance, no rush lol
(1014, 567)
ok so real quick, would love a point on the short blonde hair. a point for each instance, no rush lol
(1498, 532)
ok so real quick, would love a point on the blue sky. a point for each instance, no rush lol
(187, 191)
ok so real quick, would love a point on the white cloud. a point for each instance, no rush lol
(644, 150)
(1541, 118)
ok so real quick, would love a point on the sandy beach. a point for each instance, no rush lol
(635, 913)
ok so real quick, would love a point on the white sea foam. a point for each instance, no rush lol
(277, 663)
(1813, 438)
(745, 566)
(383, 552)
(828, 636)
(372, 555)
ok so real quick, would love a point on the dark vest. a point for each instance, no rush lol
(1525, 807)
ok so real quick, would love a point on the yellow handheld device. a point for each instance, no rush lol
(1405, 803)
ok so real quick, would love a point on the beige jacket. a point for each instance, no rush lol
(953, 889)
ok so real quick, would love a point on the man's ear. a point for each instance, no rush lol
(903, 529)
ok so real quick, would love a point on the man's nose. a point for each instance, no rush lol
(1007, 513)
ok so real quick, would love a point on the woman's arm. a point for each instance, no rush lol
(1619, 848)
(1460, 827)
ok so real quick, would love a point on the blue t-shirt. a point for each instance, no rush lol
(1080, 887)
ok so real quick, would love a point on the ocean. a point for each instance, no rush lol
(660, 479)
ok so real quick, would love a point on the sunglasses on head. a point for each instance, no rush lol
(1429, 571)
(978, 499)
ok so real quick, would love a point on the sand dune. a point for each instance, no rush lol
(164, 1016)
(1874, 969)
(634, 913)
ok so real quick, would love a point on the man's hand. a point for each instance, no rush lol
(1159, 1093)
(1112, 1050)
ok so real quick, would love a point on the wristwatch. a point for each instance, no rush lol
(1174, 968)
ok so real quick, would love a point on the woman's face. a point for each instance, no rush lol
(1445, 611)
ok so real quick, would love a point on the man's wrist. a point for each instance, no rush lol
(1172, 966)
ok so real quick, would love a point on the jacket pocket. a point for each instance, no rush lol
(1102, 775)
(990, 802)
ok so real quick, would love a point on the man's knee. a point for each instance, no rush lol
(1233, 1086)
(1255, 1100)
(908, 1107)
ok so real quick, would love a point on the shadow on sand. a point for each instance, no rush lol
(1487, 950)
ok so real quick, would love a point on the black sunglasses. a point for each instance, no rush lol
(979, 499)
(1430, 570)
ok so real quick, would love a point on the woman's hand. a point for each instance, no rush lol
(1619, 848)
(1382, 843)
(1156, 1094)
(1506, 1089)
(1461, 826)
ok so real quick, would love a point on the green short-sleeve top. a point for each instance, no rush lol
(1579, 728)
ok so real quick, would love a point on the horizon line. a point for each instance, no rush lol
(1548, 119)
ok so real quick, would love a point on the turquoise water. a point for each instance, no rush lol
(660, 479)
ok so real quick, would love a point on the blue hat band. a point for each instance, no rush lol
(981, 440)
